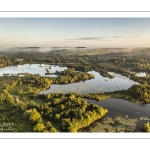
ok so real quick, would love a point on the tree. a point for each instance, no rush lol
(48, 125)
(145, 95)
(57, 117)
(32, 104)
(26, 114)
(71, 96)
(146, 127)
(22, 107)
(53, 130)
(39, 127)
(35, 117)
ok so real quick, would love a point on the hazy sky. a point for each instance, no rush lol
(72, 32)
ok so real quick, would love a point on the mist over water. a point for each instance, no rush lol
(45, 49)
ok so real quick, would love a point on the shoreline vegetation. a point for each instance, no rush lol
(60, 112)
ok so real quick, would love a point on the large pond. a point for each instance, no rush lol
(99, 84)
(122, 116)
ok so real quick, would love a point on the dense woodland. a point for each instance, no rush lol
(27, 111)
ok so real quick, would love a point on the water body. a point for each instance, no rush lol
(33, 69)
(120, 113)
(141, 74)
(99, 84)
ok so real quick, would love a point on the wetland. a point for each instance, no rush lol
(60, 91)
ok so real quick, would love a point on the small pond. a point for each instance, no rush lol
(141, 74)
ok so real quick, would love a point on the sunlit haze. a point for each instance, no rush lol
(74, 32)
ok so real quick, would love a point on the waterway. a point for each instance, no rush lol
(122, 116)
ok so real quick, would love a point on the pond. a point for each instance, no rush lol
(122, 116)
(141, 74)
(33, 69)
(99, 84)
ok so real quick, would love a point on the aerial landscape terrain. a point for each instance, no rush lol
(93, 84)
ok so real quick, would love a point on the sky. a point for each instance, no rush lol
(75, 32)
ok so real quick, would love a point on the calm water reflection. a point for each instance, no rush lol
(120, 108)
(33, 68)
(99, 84)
